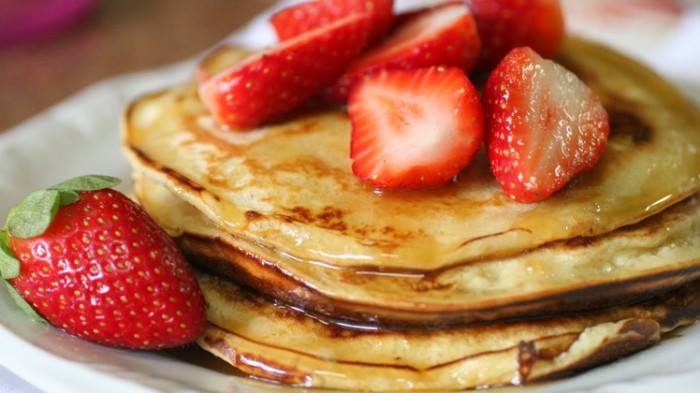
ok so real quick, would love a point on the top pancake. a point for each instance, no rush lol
(288, 187)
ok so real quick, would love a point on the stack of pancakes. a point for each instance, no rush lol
(313, 278)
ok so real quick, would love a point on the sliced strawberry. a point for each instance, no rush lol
(544, 125)
(278, 80)
(507, 24)
(442, 36)
(300, 18)
(414, 129)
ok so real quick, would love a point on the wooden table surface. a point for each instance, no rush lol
(120, 36)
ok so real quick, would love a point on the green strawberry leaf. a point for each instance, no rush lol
(9, 265)
(34, 214)
(22, 304)
(87, 183)
(68, 197)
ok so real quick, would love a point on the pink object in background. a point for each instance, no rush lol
(665, 34)
(24, 21)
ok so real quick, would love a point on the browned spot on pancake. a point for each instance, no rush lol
(641, 329)
(683, 309)
(581, 241)
(361, 231)
(168, 171)
(245, 296)
(252, 215)
(329, 214)
(387, 236)
(182, 179)
(141, 154)
(287, 219)
(476, 239)
(282, 311)
(628, 124)
(527, 355)
(216, 180)
(427, 285)
(398, 235)
(556, 346)
(328, 218)
(350, 276)
(302, 214)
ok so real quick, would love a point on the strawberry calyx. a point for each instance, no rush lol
(33, 216)
(35, 213)
(9, 265)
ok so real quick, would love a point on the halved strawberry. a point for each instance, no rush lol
(507, 24)
(300, 18)
(442, 36)
(278, 80)
(544, 125)
(414, 129)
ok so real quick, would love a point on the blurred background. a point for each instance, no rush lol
(52, 48)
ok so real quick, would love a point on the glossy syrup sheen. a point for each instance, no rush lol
(625, 265)
(288, 187)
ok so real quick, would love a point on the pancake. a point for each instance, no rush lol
(340, 286)
(660, 253)
(282, 345)
(286, 190)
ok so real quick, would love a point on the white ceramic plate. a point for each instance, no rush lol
(81, 136)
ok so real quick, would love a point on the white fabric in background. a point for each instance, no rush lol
(9, 383)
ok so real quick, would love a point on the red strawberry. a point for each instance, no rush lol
(104, 271)
(544, 125)
(300, 18)
(278, 80)
(414, 129)
(442, 36)
(507, 24)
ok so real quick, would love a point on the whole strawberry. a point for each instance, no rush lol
(92, 262)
